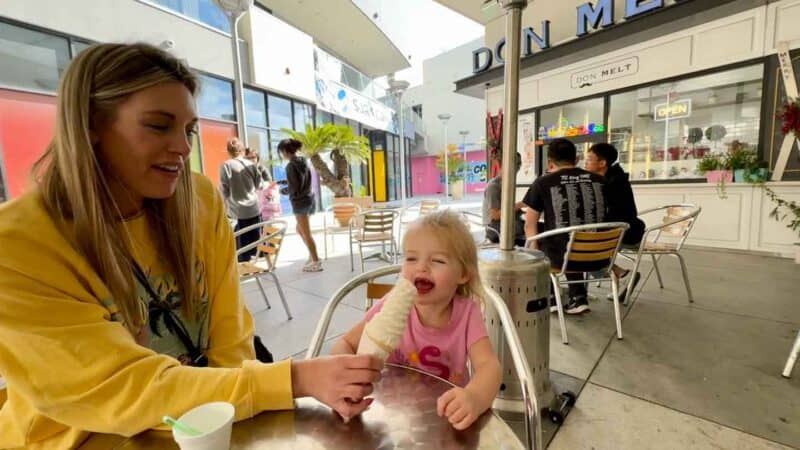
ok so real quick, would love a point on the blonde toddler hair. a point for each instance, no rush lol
(451, 230)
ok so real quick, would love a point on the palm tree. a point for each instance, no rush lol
(345, 148)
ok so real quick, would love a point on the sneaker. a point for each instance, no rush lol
(314, 266)
(577, 305)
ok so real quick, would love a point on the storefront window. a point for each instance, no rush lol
(78, 47)
(662, 131)
(204, 11)
(216, 99)
(303, 115)
(255, 108)
(572, 120)
(31, 59)
(323, 117)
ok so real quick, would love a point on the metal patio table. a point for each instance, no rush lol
(403, 416)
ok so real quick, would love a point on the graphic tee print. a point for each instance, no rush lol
(442, 352)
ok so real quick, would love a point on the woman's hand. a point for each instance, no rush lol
(340, 382)
(459, 406)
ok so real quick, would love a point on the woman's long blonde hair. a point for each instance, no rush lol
(75, 188)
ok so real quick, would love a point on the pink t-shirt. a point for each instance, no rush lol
(441, 352)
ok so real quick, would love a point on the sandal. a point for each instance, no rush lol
(314, 266)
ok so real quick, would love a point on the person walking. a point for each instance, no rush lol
(240, 181)
(298, 188)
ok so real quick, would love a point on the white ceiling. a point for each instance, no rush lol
(341, 27)
(475, 9)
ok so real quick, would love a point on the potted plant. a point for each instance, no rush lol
(756, 171)
(455, 170)
(740, 156)
(717, 171)
(786, 210)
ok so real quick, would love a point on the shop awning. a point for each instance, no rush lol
(341, 27)
(481, 11)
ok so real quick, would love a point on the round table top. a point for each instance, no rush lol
(402, 416)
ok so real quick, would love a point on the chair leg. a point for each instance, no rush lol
(615, 294)
(361, 256)
(787, 370)
(280, 294)
(561, 322)
(325, 243)
(629, 288)
(263, 293)
(350, 244)
(685, 277)
(658, 272)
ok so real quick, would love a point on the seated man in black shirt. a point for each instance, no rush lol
(620, 203)
(567, 196)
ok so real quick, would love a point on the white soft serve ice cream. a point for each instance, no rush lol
(382, 334)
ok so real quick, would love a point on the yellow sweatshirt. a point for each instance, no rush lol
(71, 369)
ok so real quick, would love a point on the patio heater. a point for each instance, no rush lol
(235, 9)
(520, 276)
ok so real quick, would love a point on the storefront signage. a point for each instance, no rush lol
(589, 15)
(679, 109)
(339, 99)
(609, 71)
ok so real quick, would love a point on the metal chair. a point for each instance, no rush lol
(591, 248)
(532, 411)
(342, 218)
(787, 370)
(424, 207)
(268, 248)
(669, 237)
(377, 228)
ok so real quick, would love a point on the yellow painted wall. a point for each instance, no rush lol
(379, 176)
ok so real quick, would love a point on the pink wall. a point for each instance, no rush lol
(425, 175)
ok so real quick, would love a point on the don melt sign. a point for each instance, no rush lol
(590, 15)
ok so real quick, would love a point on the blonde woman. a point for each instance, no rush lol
(119, 297)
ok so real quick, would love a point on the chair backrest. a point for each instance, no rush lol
(676, 223)
(378, 221)
(271, 241)
(376, 291)
(591, 247)
(428, 205)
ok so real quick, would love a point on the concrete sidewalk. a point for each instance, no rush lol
(702, 375)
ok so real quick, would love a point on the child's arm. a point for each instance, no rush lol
(462, 406)
(348, 343)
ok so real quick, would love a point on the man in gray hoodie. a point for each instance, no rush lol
(239, 180)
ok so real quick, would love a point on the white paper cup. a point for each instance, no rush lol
(214, 420)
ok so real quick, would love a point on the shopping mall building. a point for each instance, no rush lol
(666, 82)
(291, 76)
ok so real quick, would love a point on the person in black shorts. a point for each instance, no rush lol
(567, 196)
(298, 187)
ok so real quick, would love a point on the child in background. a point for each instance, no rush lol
(268, 200)
(445, 328)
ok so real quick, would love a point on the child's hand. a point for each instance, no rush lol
(459, 406)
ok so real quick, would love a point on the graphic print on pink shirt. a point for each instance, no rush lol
(442, 352)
